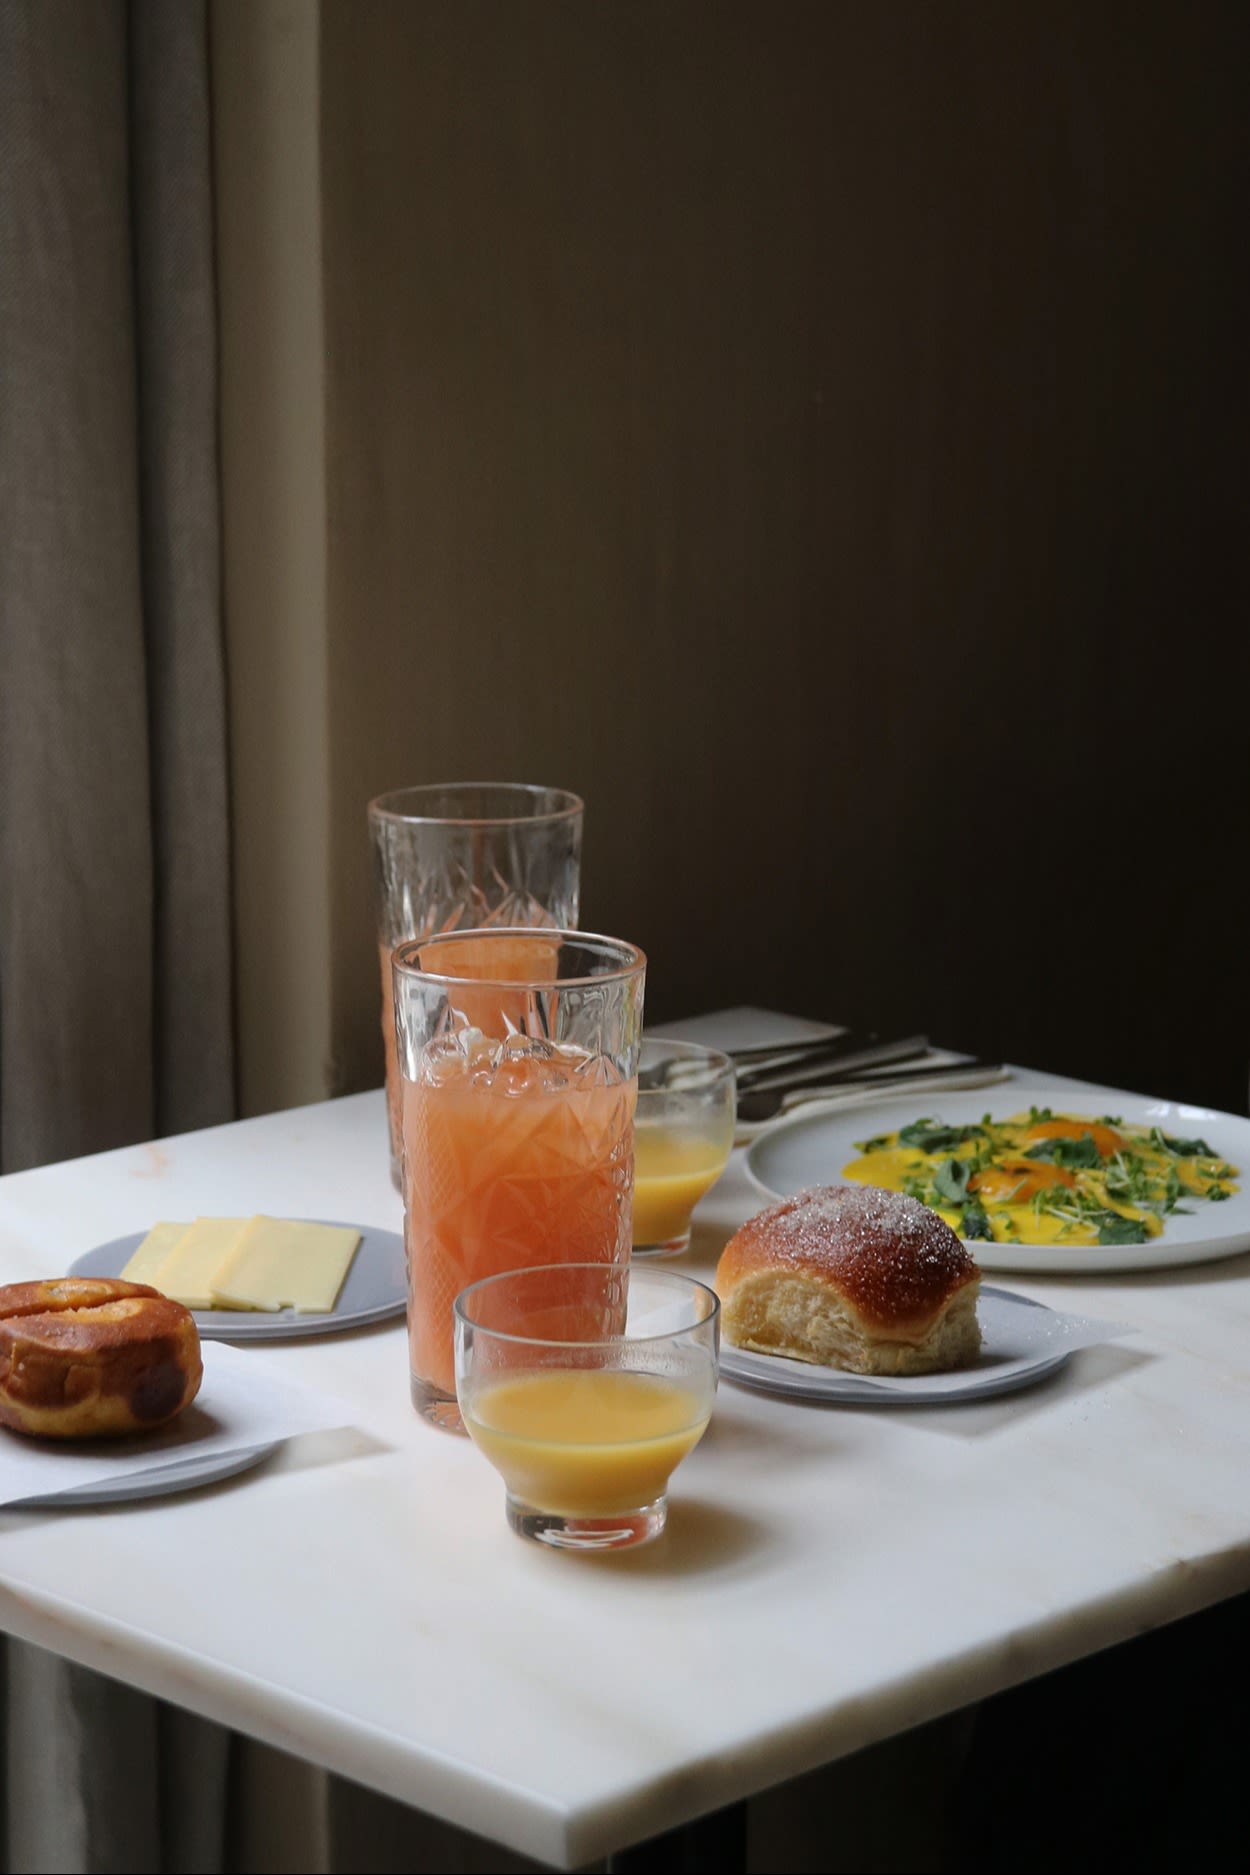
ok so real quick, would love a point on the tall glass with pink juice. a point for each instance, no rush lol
(461, 855)
(518, 1053)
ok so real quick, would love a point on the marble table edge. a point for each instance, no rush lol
(568, 1836)
(996, 1666)
(326, 1735)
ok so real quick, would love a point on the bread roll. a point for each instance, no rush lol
(855, 1277)
(90, 1358)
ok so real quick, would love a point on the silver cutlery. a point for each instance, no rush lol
(756, 1106)
(767, 1052)
(851, 1047)
(817, 1065)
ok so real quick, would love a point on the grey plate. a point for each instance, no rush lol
(179, 1475)
(376, 1287)
(998, 1370)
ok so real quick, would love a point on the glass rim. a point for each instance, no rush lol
(384, 806)
(600, 1341)
(633, 963)
(715, 1058)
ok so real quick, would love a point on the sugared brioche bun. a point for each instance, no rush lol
(855, 1277)
(89, 1358)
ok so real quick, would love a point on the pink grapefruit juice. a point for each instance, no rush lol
(514, 961)
(393, 1105)
(527, 1162)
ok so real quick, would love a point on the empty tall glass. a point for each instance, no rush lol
(468, 854)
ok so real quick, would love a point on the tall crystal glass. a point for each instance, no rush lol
(467, 854)
(518, 1056)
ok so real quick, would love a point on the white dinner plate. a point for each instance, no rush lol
(813, 1149)
(375, 1288)
(1014, 1353)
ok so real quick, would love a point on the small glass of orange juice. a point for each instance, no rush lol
(585, 1385)
(683, 1135)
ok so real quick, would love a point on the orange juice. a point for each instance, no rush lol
(505, 1166)
(586, 1442)
(672, 1171)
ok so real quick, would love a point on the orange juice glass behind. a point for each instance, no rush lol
(518, 1058)
(463, 854)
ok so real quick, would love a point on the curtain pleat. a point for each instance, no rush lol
(115, 995)
(75, 815)
(180, 553)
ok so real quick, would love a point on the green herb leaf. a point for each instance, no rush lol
(878, 1144)
(1067, 1152)
(950, 1181)
(1114, 1227)
(1216, 1193)
(1180, 1148)
(974, 1222)
(933, 1136)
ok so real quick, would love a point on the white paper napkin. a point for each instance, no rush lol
(1016, 1333)
(240, 1408)
(1022, 1333)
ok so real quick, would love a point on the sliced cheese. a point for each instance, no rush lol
(187, 1272)
(278, 1264)
(151, 1253)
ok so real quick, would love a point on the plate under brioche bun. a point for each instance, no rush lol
(855, 1277)
(93, 1357)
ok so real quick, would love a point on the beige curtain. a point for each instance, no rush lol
(115, 961)
(114, 885)
(115, 994)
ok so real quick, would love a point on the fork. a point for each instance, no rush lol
(757, 1105)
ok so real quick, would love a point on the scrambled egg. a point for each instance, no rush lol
(1043, 1177)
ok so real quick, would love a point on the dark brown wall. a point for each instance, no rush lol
(814, 433)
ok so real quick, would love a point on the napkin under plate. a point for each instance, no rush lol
(239, 1415)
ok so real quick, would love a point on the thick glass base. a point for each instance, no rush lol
(672, 1247)
(626, 1529)
(439, 1408)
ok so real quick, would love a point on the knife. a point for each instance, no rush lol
(842, 1055)
(768, 1052)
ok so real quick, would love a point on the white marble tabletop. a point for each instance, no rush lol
(829, 1577)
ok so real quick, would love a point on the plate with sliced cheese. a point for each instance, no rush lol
(262, 1278)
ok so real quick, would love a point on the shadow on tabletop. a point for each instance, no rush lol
(302, 1452)
(384, 1325)
(309, 1450)
(1225, 1269)
(700, 1539)
(1087, 1370)
(755, 1440)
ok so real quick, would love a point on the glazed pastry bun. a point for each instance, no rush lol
(855, 1277)
(90, 1358)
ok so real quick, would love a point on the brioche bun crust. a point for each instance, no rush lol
(894, 1260)
(851, 1276)
(94, 1358)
